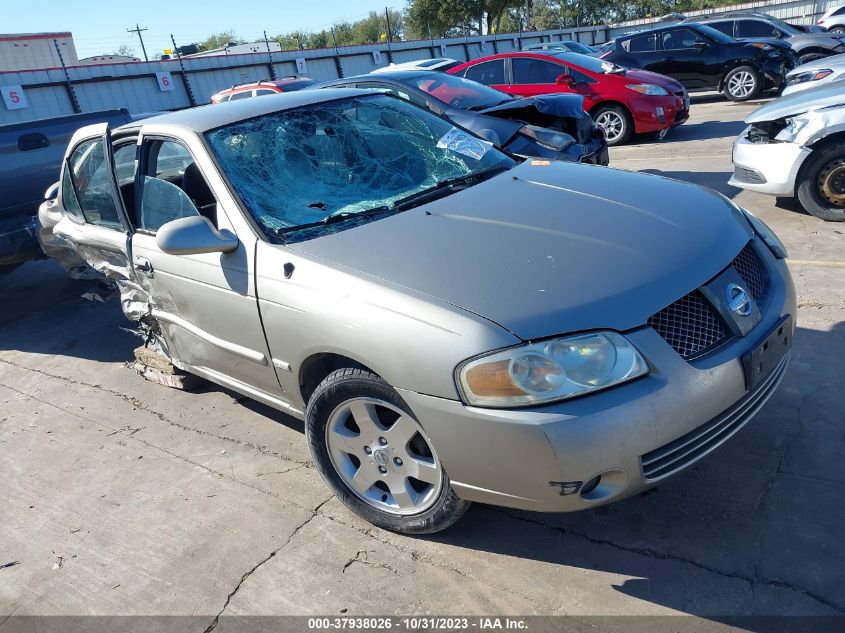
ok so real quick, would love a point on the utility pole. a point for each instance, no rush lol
(139, 30)
(270, 57)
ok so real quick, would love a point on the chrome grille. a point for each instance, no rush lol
(751, 269)
(690, 325)
(689, 448)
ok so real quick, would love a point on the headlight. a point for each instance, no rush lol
(651, 90)
(766, 234)
(813, 75)
(551, 370)
(762, 46)
(548, 138)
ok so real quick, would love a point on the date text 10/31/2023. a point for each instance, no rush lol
(421, 623)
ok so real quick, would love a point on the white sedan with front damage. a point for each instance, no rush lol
(795, 147)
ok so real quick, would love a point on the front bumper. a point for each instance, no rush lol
(541, 458)
(776, 68)
(770, 168)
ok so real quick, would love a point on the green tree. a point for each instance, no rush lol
(219, 40)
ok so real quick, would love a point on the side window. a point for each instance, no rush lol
(527, 70)
(69, 201)
(172, 187)
(264, 91)
(245, 94)
(489, 73)
(726, 26)
(680, 39)
(91, 183)
(641, 44)
(125, 163)
(756, 28)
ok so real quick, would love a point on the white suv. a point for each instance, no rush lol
(834, 19)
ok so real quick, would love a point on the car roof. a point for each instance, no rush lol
(209, 117)
(660, 29)
(399, 74)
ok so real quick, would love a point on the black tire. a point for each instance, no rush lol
(810, 180)
(621, 115)
(337, 388)
(742, 91)
(837, 29)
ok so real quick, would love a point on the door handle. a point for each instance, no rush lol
(143, 264)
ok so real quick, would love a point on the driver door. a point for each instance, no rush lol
(205, 303)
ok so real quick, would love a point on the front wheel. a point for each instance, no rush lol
(376, 457)
(616, 123)
(821, 186)
(837, 29)
(742, 83)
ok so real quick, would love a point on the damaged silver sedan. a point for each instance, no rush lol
(452, 324)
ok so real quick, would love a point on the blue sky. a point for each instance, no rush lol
(99, 26)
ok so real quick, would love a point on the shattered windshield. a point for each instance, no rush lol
(315, 166)
(458, 92)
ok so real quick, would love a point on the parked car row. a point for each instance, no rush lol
(451, 322)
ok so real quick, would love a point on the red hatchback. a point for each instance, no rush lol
(621, 100)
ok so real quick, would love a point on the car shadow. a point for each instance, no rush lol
(717, 180)
(755, 527)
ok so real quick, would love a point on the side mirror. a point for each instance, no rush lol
(564, 80)
(699, 45)
(194, 235)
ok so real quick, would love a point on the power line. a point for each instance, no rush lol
(138, 30)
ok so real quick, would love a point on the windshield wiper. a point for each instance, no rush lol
(442, 188)
(445, 187)
(335, 218)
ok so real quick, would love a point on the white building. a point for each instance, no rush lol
(33, 51)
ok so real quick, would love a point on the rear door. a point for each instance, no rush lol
(533, 76)
(93, 218)
(683, 55)
(205, 303)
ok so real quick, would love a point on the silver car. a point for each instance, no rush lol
(452, 324)
(794, 146)
(814, 74)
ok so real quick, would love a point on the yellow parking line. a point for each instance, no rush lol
(816, 262)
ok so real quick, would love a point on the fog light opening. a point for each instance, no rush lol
(604, 485)
(590, 485)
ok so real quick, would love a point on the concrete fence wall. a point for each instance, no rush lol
(135, 86)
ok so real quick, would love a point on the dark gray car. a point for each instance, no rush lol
(452, 325)
(760, 27)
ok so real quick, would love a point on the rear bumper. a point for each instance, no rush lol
(631, 436)
(770, 168)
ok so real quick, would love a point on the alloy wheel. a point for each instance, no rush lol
(831, 182)
(742, 84)
(380, 453)
(613, 124)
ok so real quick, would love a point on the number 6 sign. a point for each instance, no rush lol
(165, 81)
(13, 97)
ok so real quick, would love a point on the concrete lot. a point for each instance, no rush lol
(120, 496)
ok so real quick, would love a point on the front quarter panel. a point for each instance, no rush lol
(414, 342)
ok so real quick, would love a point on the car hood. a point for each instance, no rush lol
(565, 105)
(549, 248)
(825, 96)
(834, 62)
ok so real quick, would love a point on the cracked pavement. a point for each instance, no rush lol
(205, 503)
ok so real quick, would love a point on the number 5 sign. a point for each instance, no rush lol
(165, 81)
(13, 97)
